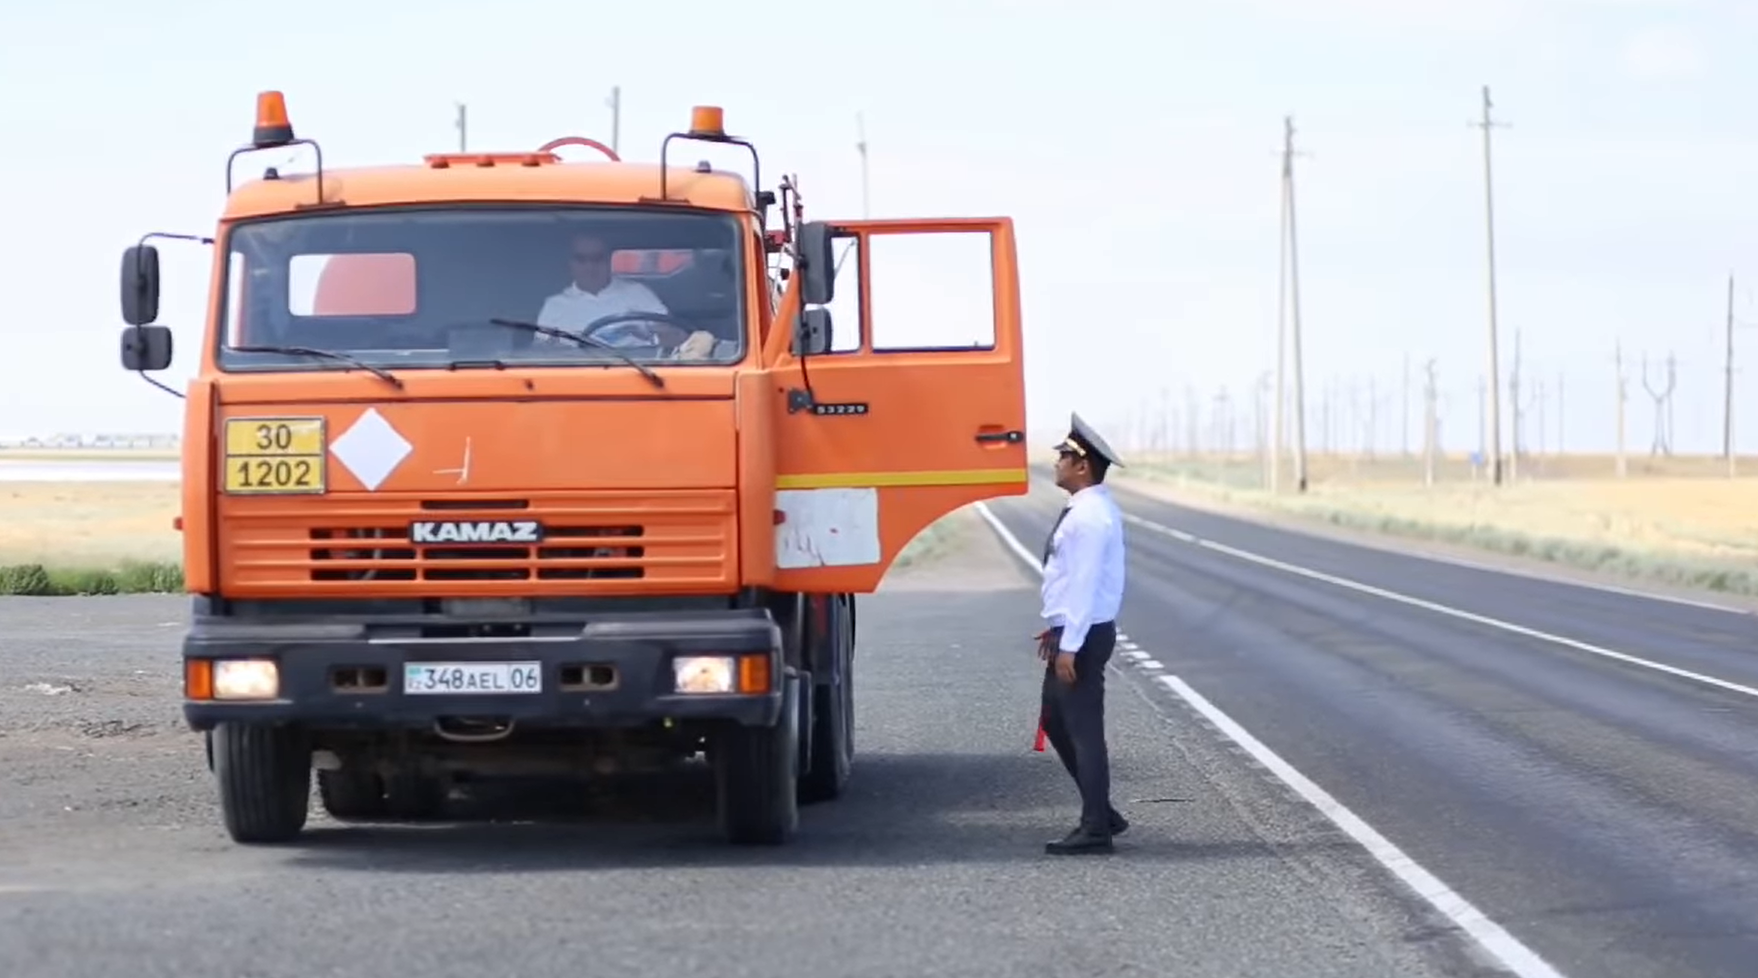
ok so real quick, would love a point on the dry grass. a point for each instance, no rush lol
(107, 525)
(88, 524)
(1679, 519)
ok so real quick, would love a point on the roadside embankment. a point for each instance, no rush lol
(1667, 525)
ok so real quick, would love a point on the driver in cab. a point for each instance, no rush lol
(595, 293)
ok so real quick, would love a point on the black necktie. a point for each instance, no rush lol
(1050, 540)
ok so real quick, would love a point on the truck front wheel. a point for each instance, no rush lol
(352, 794)
(756, 773)
(264, 773)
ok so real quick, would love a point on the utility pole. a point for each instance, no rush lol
(1260, 424)
(1193, 413)
(1495, 413)
(1165, 446)
(1288, 288)
(1482, 413)
(1543, 432)
(1404, 413)
(1662, 444)
(1559, 414)
(616, 118)
(1428, 425)
(1623, 398)
(1727, 408)
(1514, 399)
(463, 131)
(861, 148)
(1294, 295)
(1371, 435)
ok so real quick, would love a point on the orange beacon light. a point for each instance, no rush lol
(272, 125)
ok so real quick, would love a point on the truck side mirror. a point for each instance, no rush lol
(812, 333)
(140, 285)
(819, 285)
(146, 348)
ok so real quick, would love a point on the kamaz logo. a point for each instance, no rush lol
(478, 531)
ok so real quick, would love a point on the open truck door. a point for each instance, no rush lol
(899, 399)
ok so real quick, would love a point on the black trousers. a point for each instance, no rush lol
(1074, 723)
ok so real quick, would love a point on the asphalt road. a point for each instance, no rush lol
(112, 859)
(1580, 765)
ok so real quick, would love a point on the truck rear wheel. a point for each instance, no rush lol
(756, 774)
(833, 748)
(264, 773)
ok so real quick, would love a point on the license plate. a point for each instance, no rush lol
(472, 678)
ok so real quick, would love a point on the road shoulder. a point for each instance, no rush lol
(1453, 553)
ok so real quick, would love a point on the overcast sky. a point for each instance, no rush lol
(1136, 145)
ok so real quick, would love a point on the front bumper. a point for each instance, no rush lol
(323, 664)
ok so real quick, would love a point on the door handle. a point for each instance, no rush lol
(1007, 436)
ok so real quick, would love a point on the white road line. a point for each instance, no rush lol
(1504, 947)
(1391, 547)
(1441, 609)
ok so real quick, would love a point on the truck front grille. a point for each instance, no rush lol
(609, 541)
(568, 553)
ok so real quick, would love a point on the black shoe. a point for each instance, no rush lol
(1119, 824)
(1079, 842)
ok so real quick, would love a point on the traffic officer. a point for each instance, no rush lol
(1082, 591)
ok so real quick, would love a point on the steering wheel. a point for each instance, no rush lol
(621, 317)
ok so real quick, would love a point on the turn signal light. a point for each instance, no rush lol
(754, 673)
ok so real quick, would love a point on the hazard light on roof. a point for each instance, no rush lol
(273, 128)
(707, 121)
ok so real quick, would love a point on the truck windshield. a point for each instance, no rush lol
(414, 288)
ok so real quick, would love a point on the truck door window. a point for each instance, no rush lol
(845, 306)
(930, 291)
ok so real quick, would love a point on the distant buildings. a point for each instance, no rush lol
(158, 441)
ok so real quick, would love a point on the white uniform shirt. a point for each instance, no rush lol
(573, 308)
(1083, 579)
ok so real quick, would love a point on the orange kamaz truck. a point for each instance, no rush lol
(496, 464)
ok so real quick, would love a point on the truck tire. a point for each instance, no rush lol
(264, 774)
(756, 775)
(352, 794)
(833, 749)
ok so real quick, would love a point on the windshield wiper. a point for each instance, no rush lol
(332, 354)
(563, 334)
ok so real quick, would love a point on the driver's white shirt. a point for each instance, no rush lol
(573, 309)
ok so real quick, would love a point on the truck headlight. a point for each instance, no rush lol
(705, 673)
(246, 679)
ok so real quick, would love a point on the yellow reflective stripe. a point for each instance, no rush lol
(947, 477)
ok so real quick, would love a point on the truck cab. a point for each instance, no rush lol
(500, 464)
